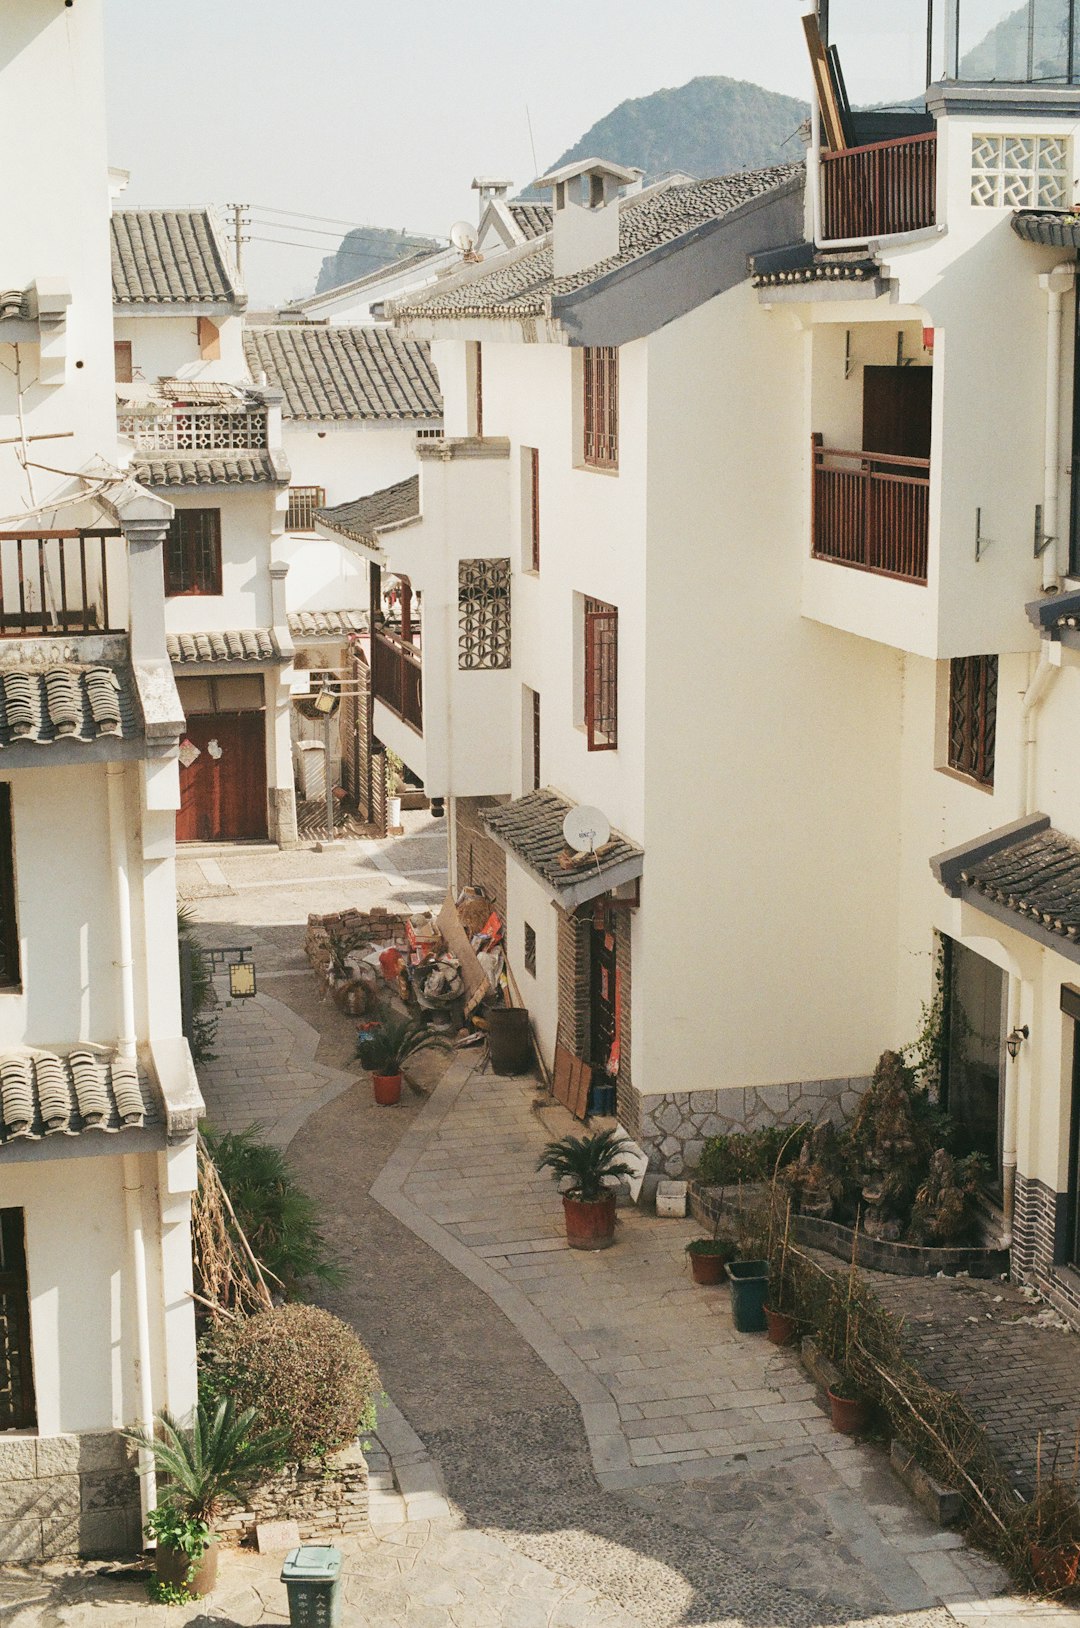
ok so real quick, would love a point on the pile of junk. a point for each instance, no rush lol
(450, 967)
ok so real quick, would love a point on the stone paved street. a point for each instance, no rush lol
(594, 1446)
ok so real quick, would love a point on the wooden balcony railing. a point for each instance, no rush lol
(873, 191)
(871, 510)
(395, 678)
(61, 582)
(195, 429)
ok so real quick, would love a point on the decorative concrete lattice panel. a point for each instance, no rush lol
(1020, 172)
(483, 614)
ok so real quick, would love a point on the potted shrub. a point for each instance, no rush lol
(586, 1164)
(384, 1048)
(849, 1410)
(779, 1309)
(221, 1456)
(708, 1258)
(1052, 1529)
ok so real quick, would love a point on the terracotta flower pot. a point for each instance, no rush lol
(387, 1089)
(590, 1223)
(708, 1268)
(172, 1565)
(779, 1326)
(850, 1414)
(1054, 1569)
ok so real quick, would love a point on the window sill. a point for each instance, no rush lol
(597, 469)
(197, 593)
(964, 779)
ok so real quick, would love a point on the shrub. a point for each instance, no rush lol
(749, 1155)
(277, 1217)
(302, 1368)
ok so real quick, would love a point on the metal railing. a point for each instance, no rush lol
(395, 678)
(61, 582)
(871, 510)
(890, 186)
(195, 429)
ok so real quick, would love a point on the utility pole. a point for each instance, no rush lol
(239, 237)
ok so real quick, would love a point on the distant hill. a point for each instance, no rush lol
(709, 127)
(365, 249)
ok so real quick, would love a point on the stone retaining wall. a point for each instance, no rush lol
(327, 1499)
(62, 1497)
(674, 1126)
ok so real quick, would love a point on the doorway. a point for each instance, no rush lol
(896, 410)
(17, 1407)
(223, 786)
(974, 1065)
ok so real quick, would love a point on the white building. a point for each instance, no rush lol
(98, 1101)
(784, 610)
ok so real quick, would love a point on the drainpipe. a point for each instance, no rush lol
(143, 1384)
(118, 855)
(1057, 284)
(1010, 1118)
(1030, 702)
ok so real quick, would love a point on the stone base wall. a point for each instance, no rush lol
(1039, 1218)
(62, 1497)
(672, 1127)
(327, 1499)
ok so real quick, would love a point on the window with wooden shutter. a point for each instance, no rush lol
(601, 676)
(17, 1410)
(122, 360)
(9, 924)
(601, 376)
(193, 552)
(303, 502)
(534, 506)
(973, 682)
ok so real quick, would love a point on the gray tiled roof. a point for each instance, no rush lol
(531, 219)
(170, 257)
(364, 518)
(531, 827)
(327, 624)
(802, 263)
(202, 469)
(16, 302)
(44, 1093)
(1056, 229)
(408, 262)
(46, 704)
(1038, 879)
(241, 644)
(524, 284)
(346, 373)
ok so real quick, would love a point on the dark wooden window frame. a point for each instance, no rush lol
(601, 676)
(600, 372)
(303, 501)
(123, 363)
(193, 553)
(10, 971)
(530, 950)
(973, 684)
(534, 508)
(478, 390)
(536, 740)
(17, 1407)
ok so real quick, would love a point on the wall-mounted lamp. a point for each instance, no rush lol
(1015, 1039)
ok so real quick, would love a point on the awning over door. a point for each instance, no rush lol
(1026, 874)
(531, 830)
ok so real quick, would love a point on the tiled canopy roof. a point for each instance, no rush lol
(532, 829)
(170, 257)
(346, 373)
(45, 1094)
(1026, 874)
(802, 263)
(16, 302)
(244, 644)
(202, 469)
(327, 624)
(364, 518)
(47, 704)
(523, 285)
(1056, 229)
(531, 219)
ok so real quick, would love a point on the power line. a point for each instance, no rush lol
(331, 220)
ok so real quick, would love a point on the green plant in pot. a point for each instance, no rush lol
(220, 1456)
(386, 1047)
(848, 1407)
(585, 1164)
(708, 1258)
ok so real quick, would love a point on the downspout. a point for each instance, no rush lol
(1056, 283)
(118, 855)
(1030, 702)
(1010, 1119)
(143, 1385)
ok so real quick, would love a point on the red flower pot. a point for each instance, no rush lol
(708, 1268)
(1054, 1569)
(850, 1414)
(387, 1089)
(780, 1327)
(590, 1223)
(172, 1566)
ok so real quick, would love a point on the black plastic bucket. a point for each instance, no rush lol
(509, 1039)
(749, 1283)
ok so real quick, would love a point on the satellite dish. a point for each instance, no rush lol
(586, 829)
(463, 236)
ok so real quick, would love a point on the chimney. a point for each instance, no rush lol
(586, 204)
(491, 190)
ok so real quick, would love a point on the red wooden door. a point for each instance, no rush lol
(223, 790)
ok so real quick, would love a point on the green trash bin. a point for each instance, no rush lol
(749, 1284)
(312, 1575)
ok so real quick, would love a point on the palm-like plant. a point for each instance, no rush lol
(584, 1161)
(279, 1220)
(221, 1456)
(384, 1050)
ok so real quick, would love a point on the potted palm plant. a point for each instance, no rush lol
(385, 1047)
(587, 1164)
(221, 1456)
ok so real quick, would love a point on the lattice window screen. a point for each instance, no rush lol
(483, 614)
(1020, 172)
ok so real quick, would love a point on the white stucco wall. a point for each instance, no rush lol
(247, 519)
(167, 345)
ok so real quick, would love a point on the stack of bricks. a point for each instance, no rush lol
(327, 1498)
(377, 926)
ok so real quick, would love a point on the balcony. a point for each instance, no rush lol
(871, 511)
(875, 191)
(62, 582)
(155, 428)
(396, 680)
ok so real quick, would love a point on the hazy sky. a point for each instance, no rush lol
(382, 114)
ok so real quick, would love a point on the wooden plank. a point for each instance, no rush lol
(564, 1065)
(832, 123)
